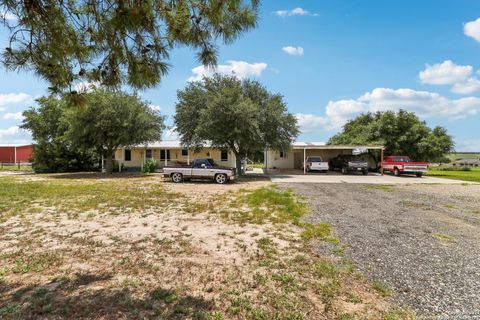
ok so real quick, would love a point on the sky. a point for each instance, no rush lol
(331, 60)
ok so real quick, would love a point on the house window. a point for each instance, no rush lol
(148, 154)
(283, 154)
(128, 155)
(224, 155)
(162, 154)
(184, 152)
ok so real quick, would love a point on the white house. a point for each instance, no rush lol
(170, 152)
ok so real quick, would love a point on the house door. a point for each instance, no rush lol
(297, 159)
(162, 154)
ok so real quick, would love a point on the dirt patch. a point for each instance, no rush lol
(159, 250)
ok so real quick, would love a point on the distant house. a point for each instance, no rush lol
(170, 152)
(15, 153)
(468, 162)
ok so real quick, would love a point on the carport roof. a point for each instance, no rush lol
(323, 145)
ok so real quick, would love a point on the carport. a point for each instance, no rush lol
(296, 157)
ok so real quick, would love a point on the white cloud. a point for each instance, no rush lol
(472, 29)
(86, 86)
(13, 98)
(171, 134)
(469, 86)
(444, 73)
(9, 131)
(468, 145)
(293, 51)
(7, 16)
(13, 116)
(311, 123)
(423, 103)
(448, 73)
(294, 12)
(240, 69)
(155, 108)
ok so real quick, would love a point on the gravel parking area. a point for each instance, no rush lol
(421, 241)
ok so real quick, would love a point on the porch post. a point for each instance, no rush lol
(265, 160)
(15, 155)
(304, 160)
(381, 162)
(188, 156)
(166, 157)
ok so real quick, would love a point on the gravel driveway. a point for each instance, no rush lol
(422, 241)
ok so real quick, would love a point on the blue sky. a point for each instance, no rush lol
(331, 60)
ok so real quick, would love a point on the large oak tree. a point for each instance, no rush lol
(109, 120)
(239, 115)
(115, 42)
(402, 133)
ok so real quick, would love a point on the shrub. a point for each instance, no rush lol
(115, 167)
(149, 166)
(453, 169)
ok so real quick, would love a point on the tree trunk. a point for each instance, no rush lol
(238, 161)
(109, 162)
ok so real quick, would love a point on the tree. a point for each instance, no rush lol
(117, 42)
(402, 133)
(52, 152)
(109, 120)
(239, 115)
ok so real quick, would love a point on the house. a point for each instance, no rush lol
(170, 152)
(468, 162)
(296, 156)
(15, 153)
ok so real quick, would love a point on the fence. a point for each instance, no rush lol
(15, 165)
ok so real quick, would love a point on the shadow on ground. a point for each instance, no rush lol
(84, 297)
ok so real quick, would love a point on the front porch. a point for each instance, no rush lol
(167, 153)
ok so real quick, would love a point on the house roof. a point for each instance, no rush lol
(468, 160)
(323, 145)
(176, 144)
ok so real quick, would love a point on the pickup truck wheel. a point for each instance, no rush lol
(365, 172)
(221, 178)
(396, 172)
(177, 177)
(418, 174)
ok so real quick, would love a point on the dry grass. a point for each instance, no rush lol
(74, 246)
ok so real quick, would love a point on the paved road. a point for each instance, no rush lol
(372, 178)
(422, 241)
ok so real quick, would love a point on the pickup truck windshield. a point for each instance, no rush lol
(314, 159)
(401, 159)
(208, 162)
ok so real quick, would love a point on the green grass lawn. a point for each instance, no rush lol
(22, 167)
(472, 175)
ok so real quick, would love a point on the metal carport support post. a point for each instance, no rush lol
(304, 159)
(381, 161)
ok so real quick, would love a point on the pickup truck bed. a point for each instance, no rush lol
(402, 164)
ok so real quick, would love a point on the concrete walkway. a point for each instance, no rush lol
(372, 178)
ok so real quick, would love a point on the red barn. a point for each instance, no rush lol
(15, 153)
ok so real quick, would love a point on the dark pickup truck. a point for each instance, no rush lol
(349, 163)
(200, 169)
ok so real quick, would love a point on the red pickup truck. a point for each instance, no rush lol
(403, 164)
